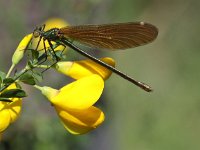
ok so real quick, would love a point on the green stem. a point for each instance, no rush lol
(26, 69)
(20, 74)
(43, 66)
(38, 87)
(10, 70)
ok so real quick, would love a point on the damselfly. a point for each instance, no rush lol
(118, 36)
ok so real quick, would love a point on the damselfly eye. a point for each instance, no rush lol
(36, 33)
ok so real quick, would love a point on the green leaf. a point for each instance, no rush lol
(60, 55)
(38, 76)
(42, 57)
(3, 99)
(30, 64)
(18, 85)
(8, 80)
(35, 54)
(27, 79)
(13, 93)
(2, 75)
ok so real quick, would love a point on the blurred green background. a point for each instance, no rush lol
(166, 119)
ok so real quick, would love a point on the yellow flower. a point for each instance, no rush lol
(55, 23)
(79, 69)
(74, 103)
(49, 24)
(9, 111)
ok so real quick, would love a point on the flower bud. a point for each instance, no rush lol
(19, 52)
(49, 92)
(79, 69)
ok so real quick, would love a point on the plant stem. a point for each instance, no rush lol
(20, 74)
(42, 66)
(10, 70)
(37, 87)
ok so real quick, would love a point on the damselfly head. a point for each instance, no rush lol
(38, 31)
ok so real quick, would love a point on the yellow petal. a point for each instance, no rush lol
(55, 23)
(14, 109)
(82, 121)
(24, 42)
(80, 94)
(2, 105)
(4, 119)
(19, 52)
(79, 69)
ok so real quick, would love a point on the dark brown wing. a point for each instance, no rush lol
(112, 36)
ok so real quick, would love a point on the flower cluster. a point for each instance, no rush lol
(9, 111)
(74, 103)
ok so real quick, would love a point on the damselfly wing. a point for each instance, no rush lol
(111, 36)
